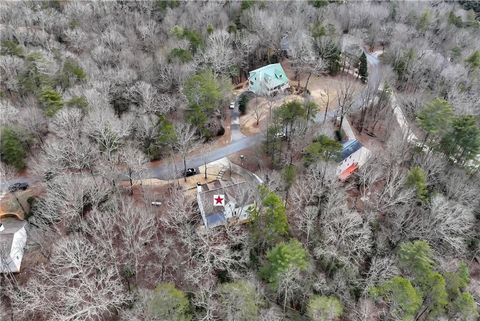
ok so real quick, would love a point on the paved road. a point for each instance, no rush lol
(167, 171)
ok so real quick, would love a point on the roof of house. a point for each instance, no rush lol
(348, 171)
(350, 147)
(269, 76)
(239, 194)
(10, 226)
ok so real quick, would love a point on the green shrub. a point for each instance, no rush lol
(52, 101)
(162, 5)
(324, 308)
(12, 149)
(11, 47)
(192, 36)
(242, 103)
(78, 102)
(281, 258)
(32, 80)
(70, 73)
(179, 54)
(169, 303)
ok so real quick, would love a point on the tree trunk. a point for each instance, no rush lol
(205, 164)
(185, 168)
(341, 123)
(130, 179)
(325, 115)
(306, 84)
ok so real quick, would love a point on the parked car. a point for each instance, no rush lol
(17, 186)
(189, 172)
(232, 104)
(156, 203)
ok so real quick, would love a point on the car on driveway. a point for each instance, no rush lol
(232, 104)
(189, 172)
(17, 187)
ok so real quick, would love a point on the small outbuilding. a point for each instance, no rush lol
(13, 238)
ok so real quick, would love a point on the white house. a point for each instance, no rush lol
(13, 237)
(238, 198)
(354, 155)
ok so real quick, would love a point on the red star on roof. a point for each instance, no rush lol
(218, 200)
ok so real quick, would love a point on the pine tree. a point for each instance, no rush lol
(281, 258)
(12, 149)
(435, 118)
(324, 308)
(169, 303)
(269, 219)
(417, 179)
(462, 142)
(363, 68)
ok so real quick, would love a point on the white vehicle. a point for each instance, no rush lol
(156, 203)
(232, 105)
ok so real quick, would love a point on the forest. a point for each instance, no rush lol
(105, 107)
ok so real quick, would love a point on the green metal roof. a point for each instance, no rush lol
(267, 77)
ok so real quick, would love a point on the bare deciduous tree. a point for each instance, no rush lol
(185, 141)
(79, 283)
(346, 93)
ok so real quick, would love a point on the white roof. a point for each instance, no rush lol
(13, 238)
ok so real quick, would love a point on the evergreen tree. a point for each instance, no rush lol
(269, 220)
(416, 260)
(363, 68)
(435, 118)
(462, 142)
(324, 308)
(239, 301)
(289, 174)
(12, 149)
(403, 298)
(281, 258)
(204, 92)
(169, 303)
(288, 113)
(418, 179)
(473, 61)
(324, 148)
(52, 101)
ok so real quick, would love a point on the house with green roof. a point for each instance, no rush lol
(268, 80)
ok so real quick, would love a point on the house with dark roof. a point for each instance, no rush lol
(239, 197)
(268, 79)
(354, 154)
(13, 237)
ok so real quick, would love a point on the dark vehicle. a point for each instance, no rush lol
(189, 172)
(17, 186)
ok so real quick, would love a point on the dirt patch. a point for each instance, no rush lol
(259, 111)
(254, 159)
